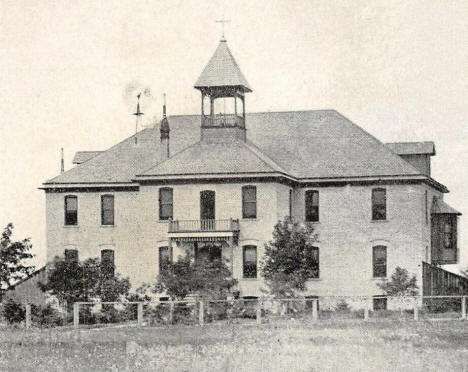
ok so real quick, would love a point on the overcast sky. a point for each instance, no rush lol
(396, 68)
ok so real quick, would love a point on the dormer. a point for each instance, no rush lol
(418, 154)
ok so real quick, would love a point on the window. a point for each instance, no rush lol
(310, 302)
(165, 256)
(379, 204)
(249, 202)
(448, 234)
(165, 203)
(312, 206)
(107, 263)
(379, 303)
(250, 261)
(312, 259)
(71, 255)
(107, 209)
(290, 203)
(379, 261)
(71, 210)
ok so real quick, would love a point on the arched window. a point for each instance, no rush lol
(165, 203)
(249, 260)
(249, 202)
(379, 261)
(312, 206)
(71, 210)
(379, 204)
(107, 263)
(107, 209)
(312, 259)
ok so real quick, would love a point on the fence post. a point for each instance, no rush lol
(463, 307)
(28, 315)
(171, 312)
(76, 314)
(140, 314)
(258, 316)
(315, 309)
(366, 310)
(201, 313)
(416, 309)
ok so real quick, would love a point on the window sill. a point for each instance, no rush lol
(164, 221)
(71, 226)
(107, 226)
(249, 219)
(249, 279)
(379, 278)
(312, 222)
(379, 221)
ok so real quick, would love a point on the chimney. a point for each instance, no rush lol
(164, 134)
(62, 163)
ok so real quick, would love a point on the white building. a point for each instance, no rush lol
(218, 183)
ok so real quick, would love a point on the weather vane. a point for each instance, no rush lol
(223, 22)
(138, 113)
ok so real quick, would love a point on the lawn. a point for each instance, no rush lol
(352, 345)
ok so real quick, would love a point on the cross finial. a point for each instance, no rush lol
(223, 21)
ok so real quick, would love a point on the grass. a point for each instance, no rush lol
(351, 345)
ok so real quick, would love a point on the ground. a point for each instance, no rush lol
(352, 345)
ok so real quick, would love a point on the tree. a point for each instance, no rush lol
(401, 285)
(210, 279)
(73, 281)
(12, 259)
(288, 262)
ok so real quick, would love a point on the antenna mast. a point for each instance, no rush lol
(138, 113)
(62, 163)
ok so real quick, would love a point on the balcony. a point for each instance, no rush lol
(223, 120)
(204, 230)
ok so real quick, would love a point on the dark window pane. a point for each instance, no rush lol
(71, 210)
(379, 261)
(165, 204)
(165, 256)
(209, 252)
(312, 206)
(71, 255)
(250, 261)
(107, 210)
(249, 202)
(107, 263)
(312, 260)
(380, 303)
(379, 204)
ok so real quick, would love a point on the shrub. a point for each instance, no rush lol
(46, 316)
(13, 311)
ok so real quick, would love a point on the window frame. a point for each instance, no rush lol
(252, 201)
(103, 210)
(246, 271)
(67, 212)
(375, 265)
(161, 204)
(374, 205)
(310, 214)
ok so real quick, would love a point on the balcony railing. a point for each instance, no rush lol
(224, 120)
(203, 225)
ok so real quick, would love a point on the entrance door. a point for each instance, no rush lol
(207, 209)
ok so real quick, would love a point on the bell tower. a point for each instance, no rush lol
(223, 87)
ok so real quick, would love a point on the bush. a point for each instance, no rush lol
(46, 316)
(13, 312)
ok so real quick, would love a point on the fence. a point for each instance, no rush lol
(257, 311)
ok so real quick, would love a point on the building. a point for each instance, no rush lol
(216, 183)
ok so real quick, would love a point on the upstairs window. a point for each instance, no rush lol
(249, 261)
(447, 233)
(107, 263)
(71, 255)
(379, 261)
(165, 204)
(312, 206)
(249, 202)
(107, 209)
(312, 259)
(379, 204)
(71, 210)
(165, 257)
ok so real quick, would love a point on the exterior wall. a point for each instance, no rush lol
(346, 231)
(421, 162)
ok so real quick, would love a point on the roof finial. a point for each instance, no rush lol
(223, 21)
(138, 113)
(164, 105)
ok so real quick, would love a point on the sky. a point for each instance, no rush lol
(68, 70)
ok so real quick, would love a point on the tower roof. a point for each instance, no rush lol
(222, 70)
